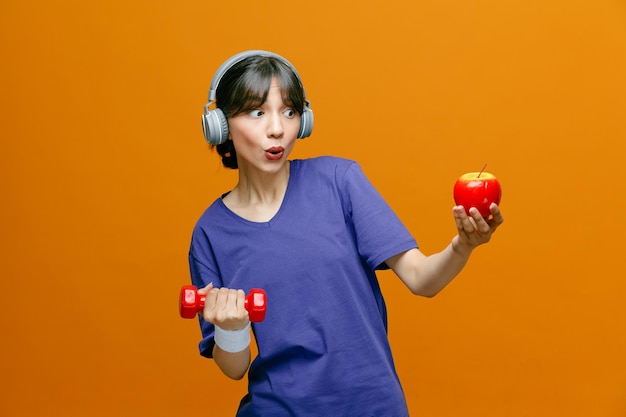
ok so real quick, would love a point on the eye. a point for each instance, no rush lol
(289, 113)
(256, 113)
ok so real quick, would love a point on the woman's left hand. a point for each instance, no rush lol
(474, 230)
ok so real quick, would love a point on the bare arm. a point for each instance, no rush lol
(428, 275)
(233, 365)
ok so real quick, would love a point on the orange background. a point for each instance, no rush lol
(104, 173)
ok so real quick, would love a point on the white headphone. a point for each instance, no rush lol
(214, 123)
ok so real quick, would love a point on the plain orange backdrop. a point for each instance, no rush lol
(104, 173)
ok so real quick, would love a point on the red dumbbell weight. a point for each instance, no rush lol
(191, 303)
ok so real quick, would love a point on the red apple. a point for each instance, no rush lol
(477, 189)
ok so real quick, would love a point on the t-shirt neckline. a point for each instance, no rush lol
(292, 173)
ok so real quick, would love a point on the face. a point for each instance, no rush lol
(265, 136)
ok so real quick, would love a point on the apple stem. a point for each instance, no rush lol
(481, 171)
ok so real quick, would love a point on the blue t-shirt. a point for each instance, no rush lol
(323, 347)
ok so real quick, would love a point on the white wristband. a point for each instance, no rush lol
(232, 340)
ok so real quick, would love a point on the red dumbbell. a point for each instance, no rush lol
(191, 303)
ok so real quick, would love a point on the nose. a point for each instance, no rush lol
(275, 128)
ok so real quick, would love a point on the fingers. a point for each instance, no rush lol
(479, 221)
(227, 301)
(459, 215)
(468, 224)
(496, 216)
(226, 308)
(206, 289)
(474, 229)
(475, 222)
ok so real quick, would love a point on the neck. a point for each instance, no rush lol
(261, 188)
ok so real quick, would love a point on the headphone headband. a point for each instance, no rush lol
(240, 57)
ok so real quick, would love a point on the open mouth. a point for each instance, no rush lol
(274, 153)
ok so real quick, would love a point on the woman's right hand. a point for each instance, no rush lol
(225, 307)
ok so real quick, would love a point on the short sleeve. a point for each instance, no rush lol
(203, 272)
(379, 233)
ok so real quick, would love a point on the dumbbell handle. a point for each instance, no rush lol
(191, 303)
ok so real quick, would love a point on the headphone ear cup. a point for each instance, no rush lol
(306, 123)
(215, 127)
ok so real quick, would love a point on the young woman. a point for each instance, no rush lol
(311, 233)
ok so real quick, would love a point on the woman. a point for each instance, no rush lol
(311, 233)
